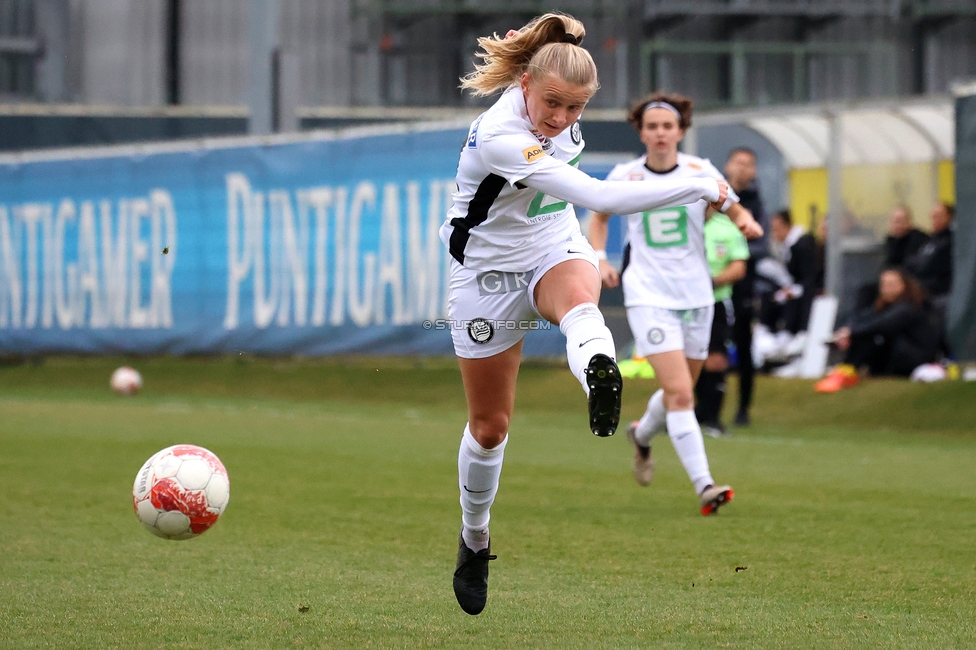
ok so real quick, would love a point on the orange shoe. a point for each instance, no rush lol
(843, 376)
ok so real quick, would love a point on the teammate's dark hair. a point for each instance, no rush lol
(681, 104)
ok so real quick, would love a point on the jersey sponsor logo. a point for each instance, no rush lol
(695, 166)
(636, 176)
(473, 135)
(533, 153)
(666, 228)
(543, 204)
(655, 336)
(575, 134)
(493, 283)
(480, 331)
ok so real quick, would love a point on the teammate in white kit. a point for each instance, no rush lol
(519, 254)
(668, 289)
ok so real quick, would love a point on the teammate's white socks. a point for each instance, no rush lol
(653, 420)
(686, 436)
(478, 473)
(586, 334)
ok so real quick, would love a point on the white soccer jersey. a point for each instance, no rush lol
(497, 222)
(516, 190)
(668, 267)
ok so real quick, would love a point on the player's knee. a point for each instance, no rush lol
(716, 362)
(489, 431)
(679, 399)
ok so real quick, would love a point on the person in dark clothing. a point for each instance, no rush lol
(787, 307)
(892, 337)
(902, 242)
(740, 171)
(932, 263)
(903, 239)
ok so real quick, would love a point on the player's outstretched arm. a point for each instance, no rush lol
(621, 197)
(744, 220)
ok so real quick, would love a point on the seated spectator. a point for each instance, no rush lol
(892, 337)
(787, 286)
(903, 239)
(932, 263)
(902, 242)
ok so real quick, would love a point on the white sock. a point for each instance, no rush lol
(653, 420)
(586, 334)
(478, 473)
(686, 436)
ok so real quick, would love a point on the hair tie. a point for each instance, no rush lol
(571, 39)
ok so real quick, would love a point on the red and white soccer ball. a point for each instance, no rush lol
(126, 381)
(180, 492)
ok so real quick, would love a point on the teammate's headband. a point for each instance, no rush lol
(665, 106)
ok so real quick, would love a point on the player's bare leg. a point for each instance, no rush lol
(677, 375)
(489, 385)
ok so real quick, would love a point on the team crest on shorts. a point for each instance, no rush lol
(574, 133)
(656, 336)
(480, 330)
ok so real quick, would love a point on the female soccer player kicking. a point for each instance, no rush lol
(668, 289)
(519, 254)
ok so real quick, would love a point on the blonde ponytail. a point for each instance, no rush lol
(547, 45)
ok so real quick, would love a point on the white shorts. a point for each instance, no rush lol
(657, 330)
(490, 311)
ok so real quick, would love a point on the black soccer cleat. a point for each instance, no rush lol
(606, 387)
(471, 577)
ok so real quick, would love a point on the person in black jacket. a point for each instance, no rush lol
(740, 171)
(787, 306)
(903, 239)
(892, 337)
(902, 242)
(932, 263)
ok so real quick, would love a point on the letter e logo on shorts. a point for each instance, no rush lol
(533, 153)
(480, 330)
(655, 336)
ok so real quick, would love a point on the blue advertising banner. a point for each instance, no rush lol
(315, 245)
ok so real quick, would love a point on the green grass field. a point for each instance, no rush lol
(853, 526)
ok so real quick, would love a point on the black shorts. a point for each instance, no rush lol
(720, 330)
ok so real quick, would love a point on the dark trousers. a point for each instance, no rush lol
(743, 308)
(791, 316)
(710, 389)
(885, 355)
